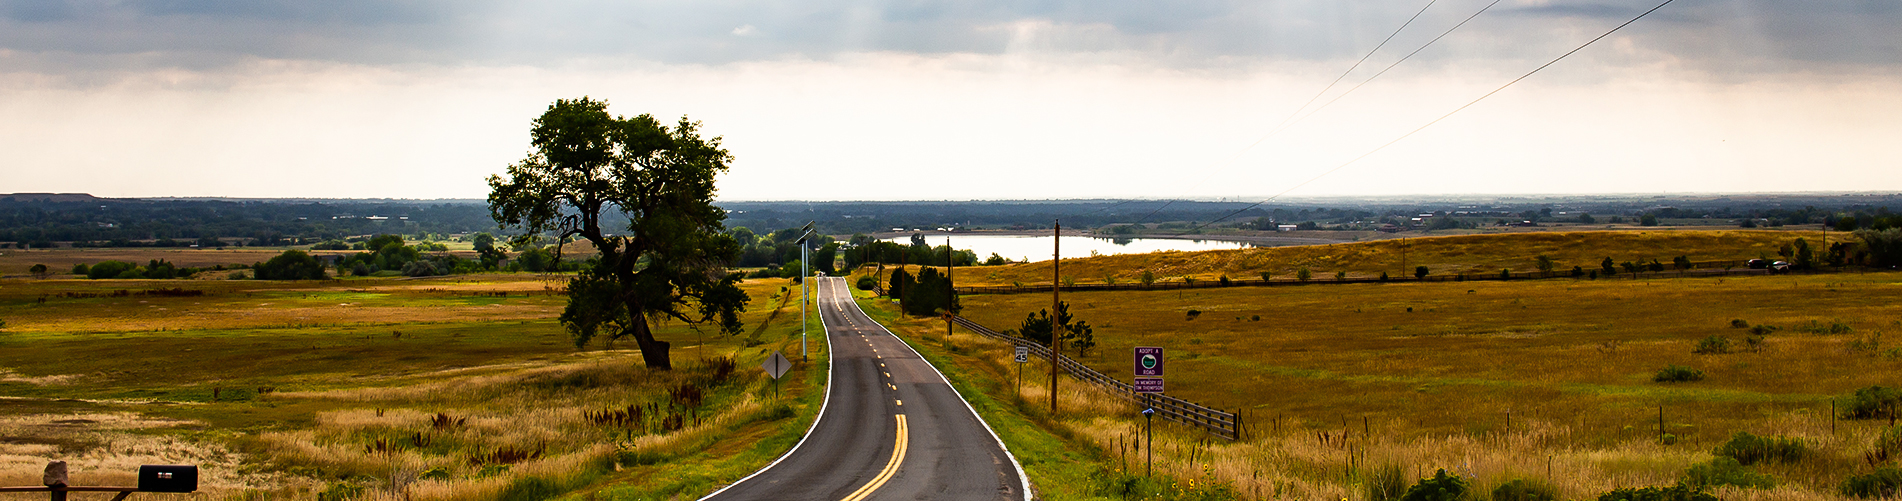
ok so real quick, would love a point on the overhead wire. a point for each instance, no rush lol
(1383, 71)
(1436, 120)
(1337, 80)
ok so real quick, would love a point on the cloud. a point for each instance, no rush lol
(1185, 33)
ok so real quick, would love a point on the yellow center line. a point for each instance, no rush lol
(891, 468)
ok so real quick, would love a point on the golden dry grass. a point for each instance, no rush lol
(278, 400)
(1336, 380)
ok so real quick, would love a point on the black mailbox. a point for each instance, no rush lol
(168, 478)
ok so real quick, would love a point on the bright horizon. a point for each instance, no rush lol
(961, 101)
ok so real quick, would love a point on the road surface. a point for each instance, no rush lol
(891, 427)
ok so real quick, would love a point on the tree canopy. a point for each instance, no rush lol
(669, 261)
(291, 265)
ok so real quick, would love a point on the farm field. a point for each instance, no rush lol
(1442, 255)
(1339, 382)
(460, 387)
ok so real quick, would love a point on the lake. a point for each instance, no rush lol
(1037, 247)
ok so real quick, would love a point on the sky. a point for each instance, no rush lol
(962, 100)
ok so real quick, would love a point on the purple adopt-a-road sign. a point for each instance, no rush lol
(1148, 385)
(1148, 361)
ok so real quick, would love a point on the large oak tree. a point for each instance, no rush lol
(670, 260)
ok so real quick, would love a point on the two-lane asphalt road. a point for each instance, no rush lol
(891, 427)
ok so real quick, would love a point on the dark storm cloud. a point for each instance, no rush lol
(211, 32)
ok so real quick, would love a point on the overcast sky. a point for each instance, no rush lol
(969, 99)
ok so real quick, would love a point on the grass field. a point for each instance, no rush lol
(444, 388)
(1337, 381)
(1448, 255)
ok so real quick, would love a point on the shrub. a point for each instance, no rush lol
(82, 269)
(866, 283)
(340, 491)
(419, 269)
(1726, 471)
(1750, 449)
(1148, 277)
(1440, 487)
(1224, 280)
(1192, 314)
(111, 269)
(291, 265)
(1677, 373)
(1679, 492)
(1739, 324)
(1520, 489)
(1834, 327)
(1714, 345)
(1303, 274)
(1870, 403)
(1763, 329)
(1885, 482)
(1386, 483)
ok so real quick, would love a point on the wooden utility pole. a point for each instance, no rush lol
(951, 292)
(1056, 303)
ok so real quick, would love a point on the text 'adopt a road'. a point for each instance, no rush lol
(1148, 370)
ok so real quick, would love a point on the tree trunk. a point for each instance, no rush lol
(653, 351)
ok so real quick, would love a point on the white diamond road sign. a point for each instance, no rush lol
(776, 365)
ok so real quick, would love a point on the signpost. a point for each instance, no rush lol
(776, 366)
(1148, 369)
(1023, 355)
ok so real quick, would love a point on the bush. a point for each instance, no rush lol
(1885, 482)
(1386, 483)
(110, 269)
(1440, 487)
(419, 269)
(1726, 471)
(1677, 373)
(866, 283)
(1872, 402)
(1750, 449)
(1714, 345)
(1520, 489)
(1739, 324)
(1679, 492)
(340, 491)
(82, 269)
(291, 265)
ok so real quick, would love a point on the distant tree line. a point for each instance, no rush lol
(168, 223)
(927, 294)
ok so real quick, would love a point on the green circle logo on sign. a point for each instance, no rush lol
(1149, 361)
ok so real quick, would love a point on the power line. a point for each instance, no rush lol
(1337, 80)
(1286, 123)
(1436, 120)
(1403, 59)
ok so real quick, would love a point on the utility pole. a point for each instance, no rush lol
(951, 295)
(1056, 302)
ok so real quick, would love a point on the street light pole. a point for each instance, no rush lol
(804, 258)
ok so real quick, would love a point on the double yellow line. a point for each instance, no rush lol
(891, 468)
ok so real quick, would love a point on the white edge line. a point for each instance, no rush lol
(967, 404)
(817, 418)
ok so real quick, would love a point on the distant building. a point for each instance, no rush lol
(1286, 227)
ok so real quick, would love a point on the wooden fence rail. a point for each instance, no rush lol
(1706, 268)
(1224, 424)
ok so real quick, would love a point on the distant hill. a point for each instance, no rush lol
(50, 197)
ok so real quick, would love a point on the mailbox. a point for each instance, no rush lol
(168, 478)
